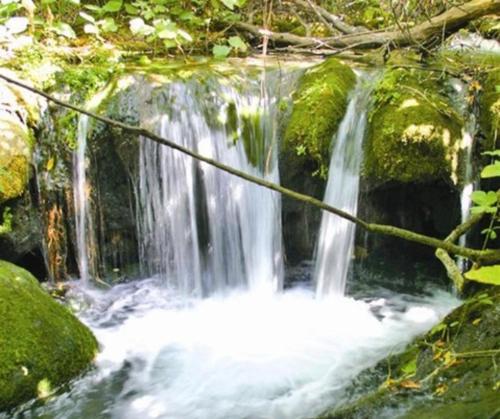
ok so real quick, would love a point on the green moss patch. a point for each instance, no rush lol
(42, 344)
(319, 105)
(489, 118)
(414, 131)
(15, 156)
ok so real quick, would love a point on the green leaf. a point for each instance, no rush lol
(484, 199)
(113, 6)
(87, 17)
(221, 51)
(131, 10)
(108, 25)
(229, 3)
(63, 29)
(17, 24)
(410, 367)
(485, 275)
(91, 29)
(237, 43)
(497, 88)
(492, 170)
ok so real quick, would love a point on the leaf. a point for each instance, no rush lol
(138, 27)
(411, 367)
(50, 164)
(108, 25)
(112, 6)
(221, 51)
(484, 199)
(485, 275)
(87, 17)
(497, 88)
(17, 25)
(131, 10)
(492, 170)
(229, 3)
(63, 29)
(185, 35)
(237, 43)
(91, 29)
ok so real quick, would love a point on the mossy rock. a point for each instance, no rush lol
(15, 156)
(319, 105)
(414, 133)
(42, 344)
(489, 117)
(449, 372)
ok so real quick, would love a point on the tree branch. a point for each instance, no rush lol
(421, 35)
(335, 21)
(479, 256)
(449, 264)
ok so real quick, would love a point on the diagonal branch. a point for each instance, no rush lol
(479, 256)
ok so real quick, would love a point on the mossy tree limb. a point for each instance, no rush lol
(479, 256)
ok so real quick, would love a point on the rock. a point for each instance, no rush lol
(489, 117)
(43, 344)
(414, 132)
(449, 372)
(15, 155)
(319, 104)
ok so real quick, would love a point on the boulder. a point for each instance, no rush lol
(43, 344)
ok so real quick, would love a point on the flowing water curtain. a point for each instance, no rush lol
(86, 241)
(336, 236)
(202, 229)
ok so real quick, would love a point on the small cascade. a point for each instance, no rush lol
(81, 191)
(336, 236)
(201, 229)
(467, 179)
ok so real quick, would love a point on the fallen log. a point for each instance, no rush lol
(423, 34)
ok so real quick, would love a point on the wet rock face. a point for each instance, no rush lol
(43, 344)
(414, 132)
(15, 146)
(319, 105)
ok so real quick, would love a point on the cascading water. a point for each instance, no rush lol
(244, 353)
(83, 225)
(336, 236)
(467, 145)
(202, 229)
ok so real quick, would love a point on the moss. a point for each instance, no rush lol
(15, 152)
(40, 340)
(453, 374)
(414, 131)
(489, 117)
(319, 105)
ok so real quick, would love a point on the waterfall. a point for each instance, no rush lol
(467, 177)
(336, 235)
(81, 197)
(201, 229)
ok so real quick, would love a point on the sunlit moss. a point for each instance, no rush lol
(42, 344)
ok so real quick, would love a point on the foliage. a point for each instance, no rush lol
(163, 25)
(485, 275)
